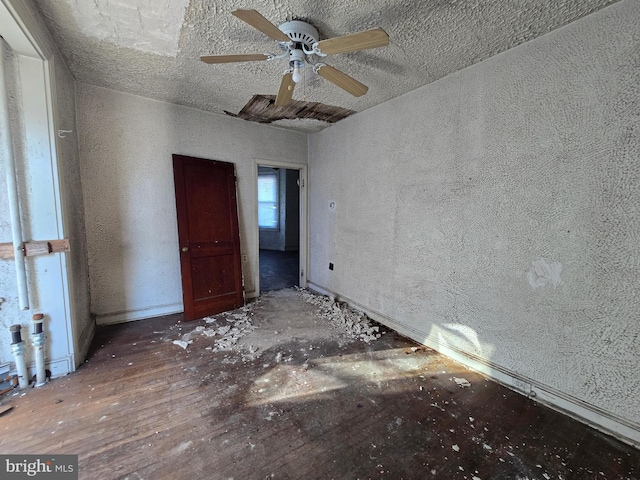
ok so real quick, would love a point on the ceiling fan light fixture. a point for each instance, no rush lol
(297, 72)
(300, 41)
(297, 62)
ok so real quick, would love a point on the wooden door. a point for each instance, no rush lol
(208, 236)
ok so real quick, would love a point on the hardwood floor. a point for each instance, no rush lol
(310, 404)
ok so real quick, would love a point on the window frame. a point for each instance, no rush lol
(276, 174)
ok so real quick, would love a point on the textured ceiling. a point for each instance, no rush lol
(152, 47)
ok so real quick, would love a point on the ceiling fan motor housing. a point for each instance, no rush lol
(296, 55)
(301, 32)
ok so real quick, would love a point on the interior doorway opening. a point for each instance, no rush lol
(279, 227)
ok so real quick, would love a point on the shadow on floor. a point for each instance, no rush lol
(311, 403)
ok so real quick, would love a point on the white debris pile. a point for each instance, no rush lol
(250, 353)
(182, 343)
(355, 323)
(237, 325)
(280, 357)
(462, 382)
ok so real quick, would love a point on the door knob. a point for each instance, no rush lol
(185, 249)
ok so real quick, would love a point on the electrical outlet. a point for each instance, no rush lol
(330, 266)
(244, 259)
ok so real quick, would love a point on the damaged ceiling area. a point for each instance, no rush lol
(262, 109)
(152, 48)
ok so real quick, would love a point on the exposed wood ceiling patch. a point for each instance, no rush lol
(262, 109)
(152, 48)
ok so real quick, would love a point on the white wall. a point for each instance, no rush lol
(126, 143)
(73, 212)
(42, 101)
(447, 197)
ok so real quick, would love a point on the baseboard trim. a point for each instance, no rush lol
(138, 314)
(607, 422)
(59, 367)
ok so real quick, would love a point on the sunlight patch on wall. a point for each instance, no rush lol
(461, 338)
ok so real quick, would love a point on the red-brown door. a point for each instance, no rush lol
(208, 236)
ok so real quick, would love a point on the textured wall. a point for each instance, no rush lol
(51, 207)
(73, 208)
(497, 210)
(126, 143)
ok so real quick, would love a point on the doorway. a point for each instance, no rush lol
(280, 226)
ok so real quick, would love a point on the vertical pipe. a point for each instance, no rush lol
(12, 187)
(17, 347)
(38, 346)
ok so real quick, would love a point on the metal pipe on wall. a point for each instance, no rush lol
(12, 186)
(38, 346)
(17, 347)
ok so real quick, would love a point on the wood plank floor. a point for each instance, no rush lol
(312, 405)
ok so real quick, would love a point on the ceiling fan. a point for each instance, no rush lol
(301, 44)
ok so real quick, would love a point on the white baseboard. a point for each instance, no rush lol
(149, 312)
(607, 422)
(59, 367)
(139, 314)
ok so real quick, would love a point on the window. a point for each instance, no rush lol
(268, 211)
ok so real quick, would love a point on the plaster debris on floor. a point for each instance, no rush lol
(318, 403)
(462, 382)
(227, 328)
(354, 322)
(182, 343)
(230, 329)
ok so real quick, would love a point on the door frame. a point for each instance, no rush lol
(303, 252)
(50, 283)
